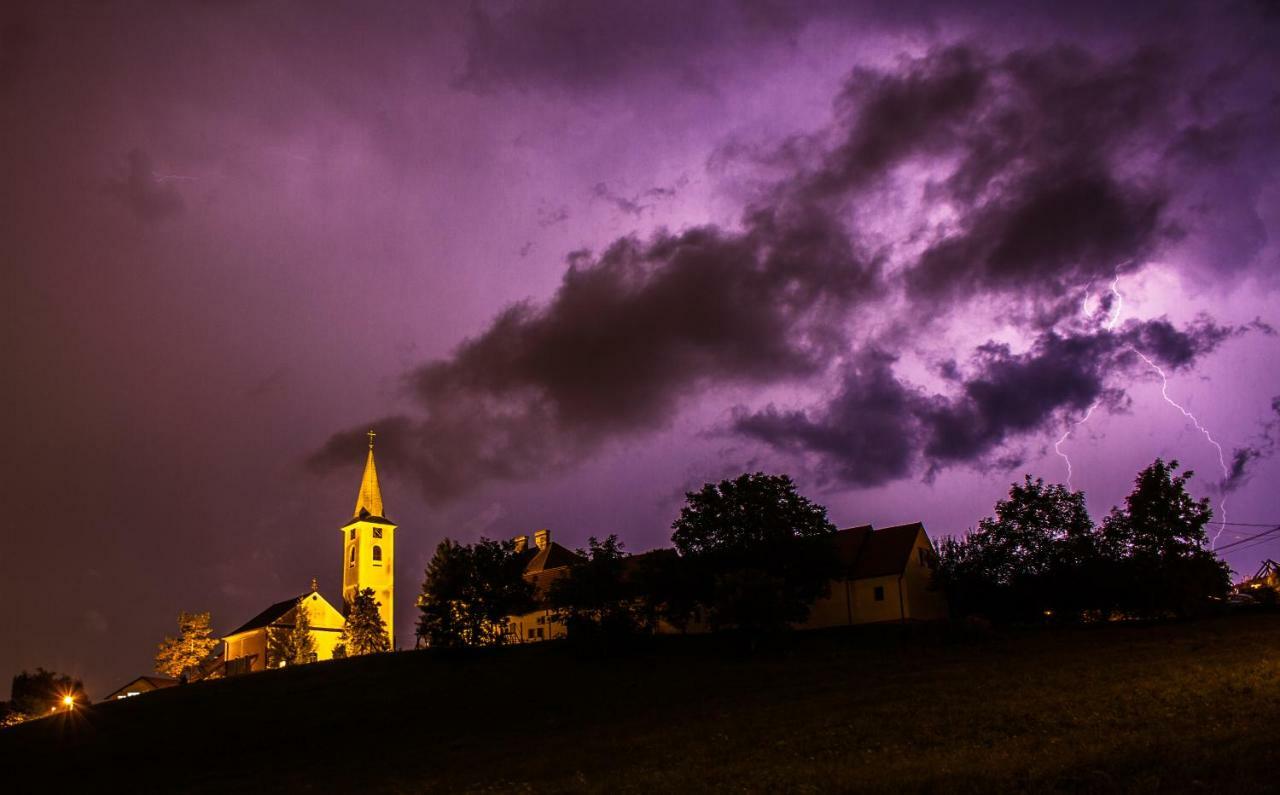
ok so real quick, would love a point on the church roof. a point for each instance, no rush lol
(270, 615)
(369, 500)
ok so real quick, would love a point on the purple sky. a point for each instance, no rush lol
(573, 258)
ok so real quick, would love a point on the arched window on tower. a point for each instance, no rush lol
(353, 555)
(377, 554)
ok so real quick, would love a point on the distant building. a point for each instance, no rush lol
(886, 576)
(368, 561)
(545, 562)
(143, 684)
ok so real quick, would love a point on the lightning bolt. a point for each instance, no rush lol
(1110, 325)
(1222, 460)
(1086, 308)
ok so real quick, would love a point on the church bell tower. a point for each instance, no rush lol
(368, 548)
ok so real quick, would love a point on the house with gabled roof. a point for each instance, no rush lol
(143, 684)
(545, 562)
(885, 575)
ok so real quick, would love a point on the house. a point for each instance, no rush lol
(886, 576)
(246, 645)
(143, 684)
(545, 562)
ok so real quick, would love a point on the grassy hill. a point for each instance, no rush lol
(1169, 707)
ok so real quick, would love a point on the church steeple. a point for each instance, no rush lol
(369, 500)
(369, 548)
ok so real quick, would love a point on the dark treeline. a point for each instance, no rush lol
(751, 555)
(1041, 555)
(748, 555)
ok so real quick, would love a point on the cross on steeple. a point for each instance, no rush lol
(371, 434)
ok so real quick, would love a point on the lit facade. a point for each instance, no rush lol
(368, 548)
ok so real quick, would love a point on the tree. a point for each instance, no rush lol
(596, 597)
(365, 632)
(183, 654)
(1160, 547)
(293, 644)
(33, 695)
(1037, 553)
(468, 591)
(756, 523)
(750, 514)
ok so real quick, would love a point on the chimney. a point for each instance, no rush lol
(522, 543)
(541, 538)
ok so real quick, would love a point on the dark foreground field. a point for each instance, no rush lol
(1173, 707)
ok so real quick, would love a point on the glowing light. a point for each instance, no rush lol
(69, 701)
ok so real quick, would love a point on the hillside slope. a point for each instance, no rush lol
(1149, 708)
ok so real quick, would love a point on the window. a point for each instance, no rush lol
(879, 593)
(377, 553)
(921, 553)
(377, 532)
(530, 633)
(539, 631)
(353, 534)
(353, 555)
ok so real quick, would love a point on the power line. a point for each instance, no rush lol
(1255, 537)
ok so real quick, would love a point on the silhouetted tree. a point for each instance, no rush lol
(33, 695)
(1037, 553)
(183, 654)
(738, 534)
(597, 597)
(365, 632)
(1159, 545)
(669, 587)
(468, 592)
(292, 645)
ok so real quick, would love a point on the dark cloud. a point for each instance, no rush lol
(878, 427)
(628, 335)
(866, 435)
(891, 116)
(1244, 458)
(147, 196)
(1031, 151)
(637, 204)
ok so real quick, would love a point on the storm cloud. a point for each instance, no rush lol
(1029, 152)
(879, 427)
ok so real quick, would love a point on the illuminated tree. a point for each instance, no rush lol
(468, 592)
(292, 645)
(184, 653)
(365, 632)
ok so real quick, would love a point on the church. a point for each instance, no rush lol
(368, 561)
